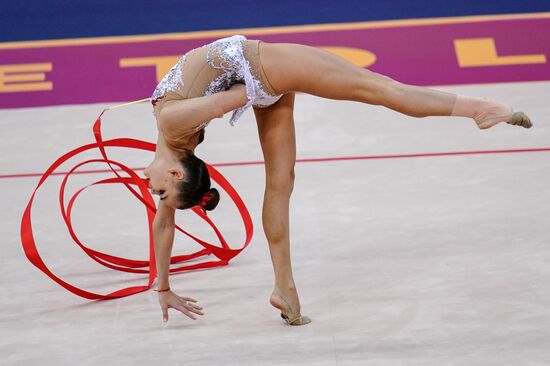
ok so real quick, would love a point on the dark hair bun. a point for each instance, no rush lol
(213, 201)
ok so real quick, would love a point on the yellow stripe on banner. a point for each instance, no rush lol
(269, 30)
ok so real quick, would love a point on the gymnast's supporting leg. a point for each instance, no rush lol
(277, 138)
(292, 67)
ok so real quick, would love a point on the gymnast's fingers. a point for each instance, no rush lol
(190, 299)
(164, 313)
(184, 311)
(192, 308)
(184, 301)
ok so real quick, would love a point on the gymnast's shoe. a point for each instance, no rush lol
(488, 112)
(288, 315)
(492, 112)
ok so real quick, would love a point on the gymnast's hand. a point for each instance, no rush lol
(169, 299)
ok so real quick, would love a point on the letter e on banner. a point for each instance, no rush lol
(25, 77)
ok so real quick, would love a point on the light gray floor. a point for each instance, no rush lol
(433, 261)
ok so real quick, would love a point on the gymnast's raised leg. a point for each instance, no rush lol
(293, 67)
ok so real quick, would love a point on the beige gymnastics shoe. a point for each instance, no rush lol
(288, 315)
(493, 112)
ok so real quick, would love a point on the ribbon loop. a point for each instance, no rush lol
(223, 253)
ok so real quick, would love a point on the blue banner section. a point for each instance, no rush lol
(38, 19)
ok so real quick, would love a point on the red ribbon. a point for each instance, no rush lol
(223, 253)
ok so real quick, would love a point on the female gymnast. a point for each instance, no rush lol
(234, 73)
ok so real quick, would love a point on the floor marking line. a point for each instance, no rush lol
(316, 160)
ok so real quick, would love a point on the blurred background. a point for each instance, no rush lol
(33, 20)
(415, 241)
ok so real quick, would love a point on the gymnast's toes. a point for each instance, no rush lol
(520, 119)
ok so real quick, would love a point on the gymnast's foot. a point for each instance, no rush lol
(493, 112)
(289, 305)
(488, 112)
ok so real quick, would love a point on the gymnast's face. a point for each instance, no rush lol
(163, 180)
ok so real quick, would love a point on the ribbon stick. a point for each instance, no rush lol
(223, 253)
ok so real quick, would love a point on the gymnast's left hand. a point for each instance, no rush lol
(185, 305)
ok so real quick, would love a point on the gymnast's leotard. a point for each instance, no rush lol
(216, 67)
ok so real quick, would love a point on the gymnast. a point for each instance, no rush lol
(233, 74)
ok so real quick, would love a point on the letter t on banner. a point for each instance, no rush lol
(162, 64)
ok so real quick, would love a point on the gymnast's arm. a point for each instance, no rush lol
(163, 236)
(190, 113)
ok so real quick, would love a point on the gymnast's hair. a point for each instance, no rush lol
(196, 184)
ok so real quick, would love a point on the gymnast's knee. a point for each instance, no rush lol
(281, 183)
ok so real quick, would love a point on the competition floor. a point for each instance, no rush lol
(400, 261)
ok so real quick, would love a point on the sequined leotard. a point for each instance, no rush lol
(216, 67)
